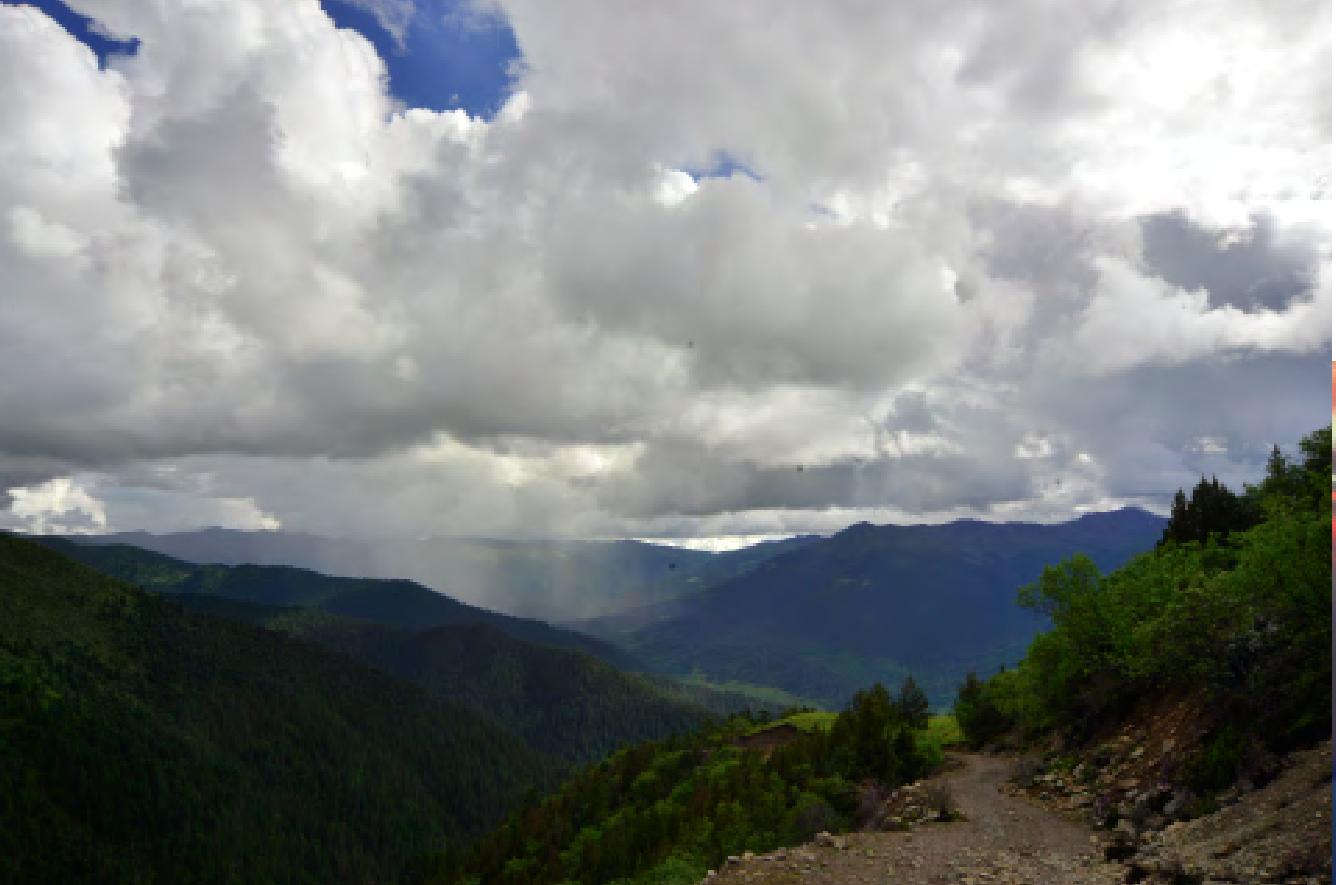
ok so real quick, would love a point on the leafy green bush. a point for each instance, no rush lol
(1241, 615)
(656, 812)
(976, 710)
(1218, 762)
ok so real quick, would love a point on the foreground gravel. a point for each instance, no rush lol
(1004, 840)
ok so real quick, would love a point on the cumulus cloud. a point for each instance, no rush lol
(1007, 262)
(1248, 268)
(60, 505)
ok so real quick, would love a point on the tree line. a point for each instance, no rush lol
(665, 811)
(1232, 606)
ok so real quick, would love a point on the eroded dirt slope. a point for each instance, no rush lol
(1280, 833)
(1004, 839)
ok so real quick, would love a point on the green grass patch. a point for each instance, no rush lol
(812, 720)
(764, 696)
(944, 731)
(807, 722)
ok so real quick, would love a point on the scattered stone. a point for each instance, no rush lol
(826, 840)
(1280, 833)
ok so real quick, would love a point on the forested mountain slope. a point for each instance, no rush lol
(877, 602)
(1230, 609)
(663, 813)
(1185, 697)
(549, 580)
(140, 742)
(398, 603)
(560, 701)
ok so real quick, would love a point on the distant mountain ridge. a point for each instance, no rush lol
(547, 580)
(876, 603)
(398, 603)
(558, 690)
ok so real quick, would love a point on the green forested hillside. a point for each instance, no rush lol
(878, 603)
(663, 813)
(395, 602)
(142, 743)
(1232, 609)
(551, 580)
(560, 701)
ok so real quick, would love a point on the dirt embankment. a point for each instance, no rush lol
(1003, 839)
(1132, 782)
(1279, 833)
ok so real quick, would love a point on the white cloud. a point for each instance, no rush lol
(235, 270)
(92, 503)
(58, 505)
(674, 186)
(1033, 446)
(719, 544)
(1134, 319)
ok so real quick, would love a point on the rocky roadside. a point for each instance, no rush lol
(1126, 782)
(1274, 827)
(868, 858)
(997, 820)
(988, 838)
(1276, 832)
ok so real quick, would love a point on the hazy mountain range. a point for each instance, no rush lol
(551, 580)
(816, 617)
(562, 692)
(396, 602)
(388, 675)
(875, 603)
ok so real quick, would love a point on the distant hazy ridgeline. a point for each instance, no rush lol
(554, 688)
(876, 603)
(551, 580)
(398, 602)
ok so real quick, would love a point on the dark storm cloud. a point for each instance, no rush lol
(1247, 269)
(242, 284)
(1148, 424)
(684, 481)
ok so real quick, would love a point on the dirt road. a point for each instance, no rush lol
(1003, 841)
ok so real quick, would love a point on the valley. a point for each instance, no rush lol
(141, 742)
(509, 751)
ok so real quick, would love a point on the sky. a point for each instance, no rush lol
(691, 270)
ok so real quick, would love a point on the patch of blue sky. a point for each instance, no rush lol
(722, 164)
(84, 29)
(450, 55)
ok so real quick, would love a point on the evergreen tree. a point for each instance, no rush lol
(874, 753)
(1212, 510)
(1288, 485)
(912, 704)
(1245, 625)
(977, 712)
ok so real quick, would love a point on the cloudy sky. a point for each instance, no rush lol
(698, 269)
